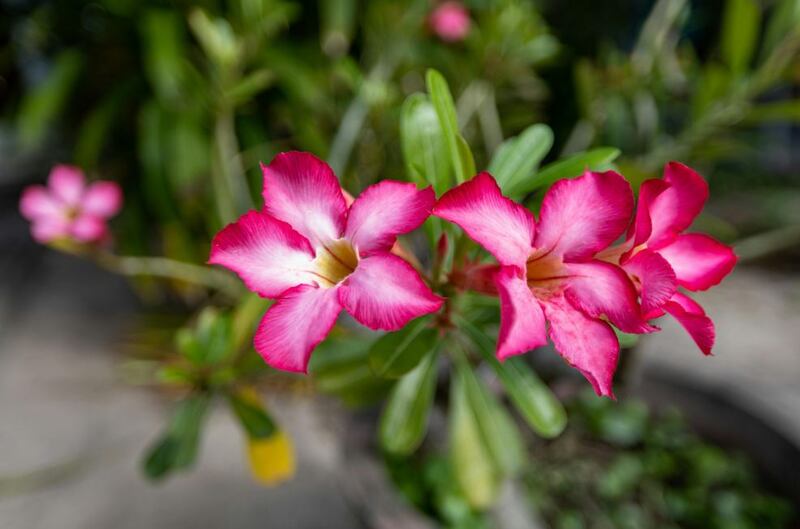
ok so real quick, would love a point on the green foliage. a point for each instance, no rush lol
(177, 448)
(405, 417)
(515, 162)
(395, 354)
(620, 467)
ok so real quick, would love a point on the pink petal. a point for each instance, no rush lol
(642, 227)
(655, 277)
(450, 21)
(36, 203)
(522, 325)
(302, 190)
(693, 318)
(583, 216)
(385, 210)
(588, 345)
(673, 210)
(267, 254)
(601, 289)
(88, 228)
(102, 199)
(699, 261)
(67, 184)
(46, 230)
(300, 319)
(385, 292)
(503, 227)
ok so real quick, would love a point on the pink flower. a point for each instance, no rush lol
(660, 257)
(68, 208)
(548, 270)
(450, 21)
(315, 255)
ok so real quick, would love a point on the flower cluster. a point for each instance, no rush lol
(316, 252)
(70, 209)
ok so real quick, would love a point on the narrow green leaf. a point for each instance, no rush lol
(595, 160)
(405, 417)
(177, 449)
(496, 427)
(475, 472)
(714, 81)
(531, 397)
(787, 111)
(250, 86)
(164, 54)
(515, 162)
(785, 18)
(252, 416)
(41, 105)
(465, 154)
(740, 27)
(446, 111)
(395, 354)
(424, 149)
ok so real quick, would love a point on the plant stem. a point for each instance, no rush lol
(170, 269)
(232, 177)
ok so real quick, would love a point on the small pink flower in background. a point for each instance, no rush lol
(68, 208)
(548, 270)
(315, 255)
(450, 21)
(661, 258)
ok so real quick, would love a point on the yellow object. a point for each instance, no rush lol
(271, 459)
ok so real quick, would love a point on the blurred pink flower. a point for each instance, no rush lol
(69, 209)
(660, 257)
(450, 21)
(315, 255)
(548, 270)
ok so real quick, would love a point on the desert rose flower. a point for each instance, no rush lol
(450, 21)
(661, 258)
(67, 208)
(316, 256)
(548, 270)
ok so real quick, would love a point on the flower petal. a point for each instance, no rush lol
(503, 227)
(385, 210)
(582, 216)
(655, 277)
(102, 199)
(693, 318)
(267, 254)
(673, 210)
(36, 203)
(603, 289)
(302, 190)
(588, 345)
(522, 325)
(642, 226)
(385, 292)
(699, 261)
(88, 228)
(46, 230)
(67, 184)
(300, 319)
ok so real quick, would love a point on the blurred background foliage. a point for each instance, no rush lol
(180, 101)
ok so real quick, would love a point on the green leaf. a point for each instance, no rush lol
(165, 54)
(424, 149)
(405, 417)
(250, 86)
(740, 26)
(532, 398)
(340, 366)
(496, 427)
(465, 153)
(395, 354)
(787, 111)
(216, 37)
(43, 103)
(784, 19)
(595, 160)
(448, 120)
(515, 162)
(177, 449)
(251, 414)
(713, 82)
(475, 472)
